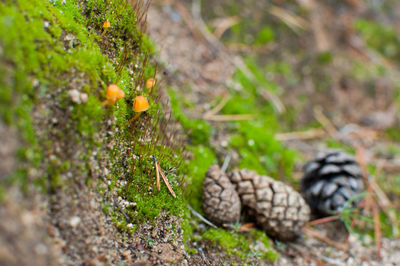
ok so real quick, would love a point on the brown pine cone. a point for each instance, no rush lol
(221, 203)
(277, 208)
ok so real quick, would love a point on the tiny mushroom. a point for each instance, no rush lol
(150, 83)
(106, 24)
(140, 104)
(114, 93)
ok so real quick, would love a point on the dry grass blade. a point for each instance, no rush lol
(246, 227)
(325, 122)
(198, 215)
(225, 118)
(217, 108)
(223, 24)
(157, 176)
(293, 21)
(323, 220)
(312, 233)
(166, 181)
(301, 135)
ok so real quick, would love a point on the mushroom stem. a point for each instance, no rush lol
(104, 103)
(102, 34)
(135, 117)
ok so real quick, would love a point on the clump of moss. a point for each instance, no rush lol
(242, 245)
(380, 37)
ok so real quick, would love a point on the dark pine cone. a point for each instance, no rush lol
(276, 207)
(221, 203)
(330, 180)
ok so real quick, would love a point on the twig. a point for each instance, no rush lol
(204, 220)
(312, 233)
(309, 134)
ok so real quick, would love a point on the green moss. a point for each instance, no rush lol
(240, 244)
(202, 158)
(333, 144)
(264, 36)
(393, 133)
(383, 38)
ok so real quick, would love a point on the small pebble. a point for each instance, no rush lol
(84, 97)
(74, 221)
(75, 96)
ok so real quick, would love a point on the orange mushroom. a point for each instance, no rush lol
(140, 104)
(150, 83)
(106, 24)
(114, 93)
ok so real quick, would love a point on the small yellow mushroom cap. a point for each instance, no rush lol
(140, 104)
(150, 83)
(114, 93)
(106, 24)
